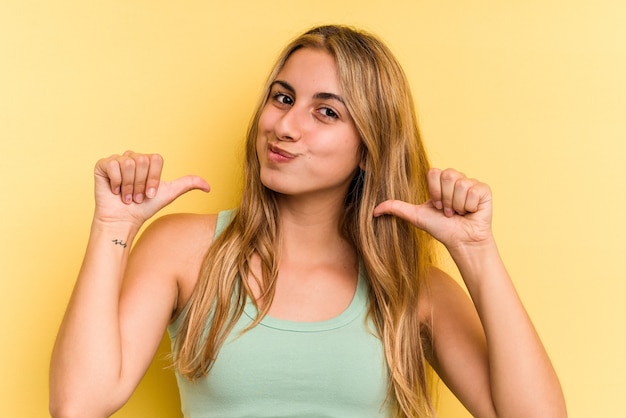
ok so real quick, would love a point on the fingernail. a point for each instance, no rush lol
(116, 190)
(151, 192)
(139, 197)
(438, 204)
(128, 198)
(448, 212)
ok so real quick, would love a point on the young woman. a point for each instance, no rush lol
(318, 295)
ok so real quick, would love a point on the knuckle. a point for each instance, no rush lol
(473, 192)
(188, 181)
(156, 158)
(433, 172)
(141, 159)
(449, 174)
(111, 164)
(150, 182)
(128, 163)
(465, 184)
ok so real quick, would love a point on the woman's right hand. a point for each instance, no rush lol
(128, 188)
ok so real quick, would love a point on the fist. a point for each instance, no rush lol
(129, 188)
(459, 210)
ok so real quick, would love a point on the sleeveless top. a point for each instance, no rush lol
(280, 368)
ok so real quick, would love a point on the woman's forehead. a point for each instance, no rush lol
(311, 69)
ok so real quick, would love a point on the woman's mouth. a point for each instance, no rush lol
(278, 154)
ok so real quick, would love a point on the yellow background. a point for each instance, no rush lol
(529, 96)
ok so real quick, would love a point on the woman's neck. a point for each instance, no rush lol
(311, 228)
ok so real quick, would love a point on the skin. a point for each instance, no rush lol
(485, 349)
(308, 149)
(307, 142)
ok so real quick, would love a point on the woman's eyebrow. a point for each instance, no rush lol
(327, 96)
(321, 96)
(284, 85)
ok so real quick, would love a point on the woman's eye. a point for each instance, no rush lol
(282, 98)
(328, 112)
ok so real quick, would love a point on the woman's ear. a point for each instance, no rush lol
(363, 161)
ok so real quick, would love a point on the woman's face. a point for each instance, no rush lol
(307, 143)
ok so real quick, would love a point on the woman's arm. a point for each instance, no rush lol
(489, 354)
(111, 330)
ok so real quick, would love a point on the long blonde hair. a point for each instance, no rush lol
(396, 256)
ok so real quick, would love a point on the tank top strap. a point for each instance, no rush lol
(223, 219)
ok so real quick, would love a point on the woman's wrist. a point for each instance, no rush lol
(477, 261)
(469, 252)
(120, 233)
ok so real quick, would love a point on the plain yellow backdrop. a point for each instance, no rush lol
(529, 96)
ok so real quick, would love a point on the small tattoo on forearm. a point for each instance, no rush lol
(119, 242)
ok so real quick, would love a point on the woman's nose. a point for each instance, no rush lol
(289, 125)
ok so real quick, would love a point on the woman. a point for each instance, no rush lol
(318, 295)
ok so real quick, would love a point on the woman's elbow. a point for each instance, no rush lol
(80, 407)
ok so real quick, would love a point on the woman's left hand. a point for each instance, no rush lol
(458, 213)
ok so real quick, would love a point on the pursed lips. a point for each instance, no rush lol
(277, 150)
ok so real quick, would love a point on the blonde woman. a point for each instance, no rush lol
(317, 296)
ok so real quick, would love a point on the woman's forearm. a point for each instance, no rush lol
(523, 381)
(87, 357)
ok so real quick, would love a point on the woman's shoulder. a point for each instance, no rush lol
(177, 233)
(173, 247)
(182, 227)
(179, 239)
